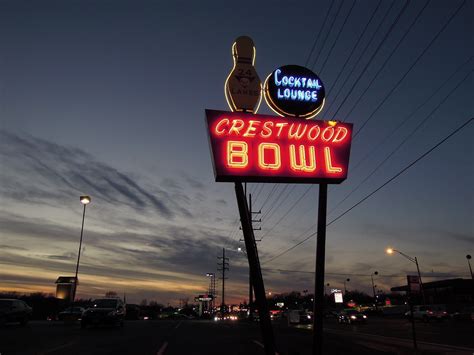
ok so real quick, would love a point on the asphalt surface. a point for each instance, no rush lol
(171, 337)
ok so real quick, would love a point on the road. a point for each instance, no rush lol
(173, 337)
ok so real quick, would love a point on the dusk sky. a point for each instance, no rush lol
(107, 98)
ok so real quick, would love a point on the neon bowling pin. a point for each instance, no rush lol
(243, 88)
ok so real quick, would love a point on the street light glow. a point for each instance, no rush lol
(389, 251)
(85, 199)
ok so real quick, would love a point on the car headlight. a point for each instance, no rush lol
(308, 316)
(353, 317)
(364, 316)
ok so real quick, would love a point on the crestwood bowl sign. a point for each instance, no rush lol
(260, 148)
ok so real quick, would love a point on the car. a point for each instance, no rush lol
(427, 313)
(71, 314)
(13, 310)
(465, 314)
(104, 311)
(351, 316)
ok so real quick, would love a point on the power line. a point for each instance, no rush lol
(403, 141)
(337, 36)
(387, 59)
(327, 33)
(288, 211)
(392, 26)
(377, 189)
(275, 206)
(411, 67)
(358, 60)
(268, 196)
(387, 137)
(319, 33)
(355, 275)
(259, 191)
(357, 42)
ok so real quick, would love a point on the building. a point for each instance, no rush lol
(454, 293)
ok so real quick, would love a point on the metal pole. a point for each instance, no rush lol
(421, 283)
(79, 254)
(468, 257)
(373, 290)
(250, 274)
(415, 345)
(223, 283)
(256, 272)
(319, 281)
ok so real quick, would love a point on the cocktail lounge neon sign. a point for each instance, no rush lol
(294, 91)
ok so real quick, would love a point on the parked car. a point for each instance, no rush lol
(12, 310)
(466, 314)
(351, 316)
(105, 311)
(427, 313)
(71, 314)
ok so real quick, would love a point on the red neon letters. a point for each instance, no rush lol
(248, 147)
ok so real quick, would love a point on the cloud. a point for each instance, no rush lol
(49, 171)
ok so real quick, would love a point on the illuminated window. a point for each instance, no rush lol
(269, 149)
(303, 164)
(329, 167)
(237, 156)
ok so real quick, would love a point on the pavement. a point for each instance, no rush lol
(172, 337)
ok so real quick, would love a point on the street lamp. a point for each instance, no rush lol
(413, 260)
(468, 257)
(85, 200)
(375, 273)
(345, 289)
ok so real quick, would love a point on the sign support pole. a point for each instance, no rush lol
(255, 271)
(319, 275)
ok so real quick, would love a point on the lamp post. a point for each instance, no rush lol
(345, 289)
(373, 286)
(85, 200)
(415, 261)
(468, 257)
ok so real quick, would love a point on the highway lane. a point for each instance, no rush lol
(442, 332)
(173, 337)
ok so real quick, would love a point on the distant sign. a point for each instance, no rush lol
(338, 297)
(413, 284)
(294, 91)
(204, 298)
(260, 148)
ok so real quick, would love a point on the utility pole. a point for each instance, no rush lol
(224, 266)
(256, 271)
(251, 213)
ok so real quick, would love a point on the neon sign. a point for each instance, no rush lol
(294, 91)
(261, 148)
